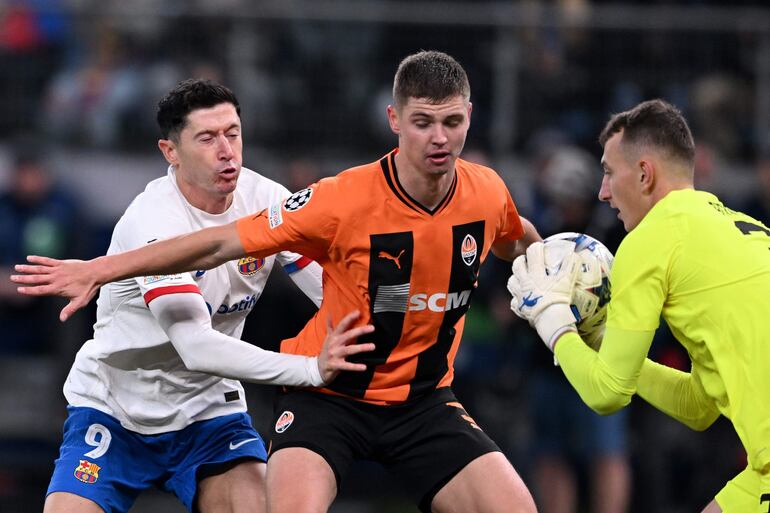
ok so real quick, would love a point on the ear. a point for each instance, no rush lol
(647, 172)
(393, 120)
(168, 149)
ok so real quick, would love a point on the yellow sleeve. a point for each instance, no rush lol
(605, 380)
(677, 394)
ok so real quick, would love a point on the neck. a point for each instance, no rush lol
(427, 189)
(663, 189)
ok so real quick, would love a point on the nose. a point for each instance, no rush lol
(604, 190)
(439, 136)
(225, 149)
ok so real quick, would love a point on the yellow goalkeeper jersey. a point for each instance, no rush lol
(706, 270)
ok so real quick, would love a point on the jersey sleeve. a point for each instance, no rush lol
(144, 224)
(605, 380)
(152, 287)
(640, 277)
(510, 223)
(677, 394)
(304, 223)
(292, 262)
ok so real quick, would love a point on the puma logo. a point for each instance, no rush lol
(388, 256)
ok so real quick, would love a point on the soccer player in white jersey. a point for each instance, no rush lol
(702, 266)
(153, 397)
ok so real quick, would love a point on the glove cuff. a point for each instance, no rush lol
(553, 321)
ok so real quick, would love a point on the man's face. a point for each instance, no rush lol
(431, 136)
(622, 183)
(208, 155)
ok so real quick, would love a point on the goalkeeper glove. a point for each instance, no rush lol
(541, 286)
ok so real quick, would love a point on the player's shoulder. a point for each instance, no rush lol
(259, 189)
(656, 236)
(156, 212)
(478, 172)
(480, 181)
(158, 197)
(351, 180)
(254, 181)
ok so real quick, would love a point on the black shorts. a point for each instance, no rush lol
(423, 443)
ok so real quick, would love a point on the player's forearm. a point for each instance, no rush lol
(606, 380)
(215, 353)
(602, 390)
(677, 394)
(203, 249)
(185, 319)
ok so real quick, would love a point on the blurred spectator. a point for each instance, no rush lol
(722, 114)
(300, 173)
(37, 217)
(758, 204)
(88, 103)
(32, 35)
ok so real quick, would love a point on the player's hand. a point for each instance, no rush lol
(541, 286)
(340, 342)
(72, 279)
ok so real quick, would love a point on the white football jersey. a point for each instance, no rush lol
(130, 369)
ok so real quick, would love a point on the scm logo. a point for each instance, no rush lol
(439, 302)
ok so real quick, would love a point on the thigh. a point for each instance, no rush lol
(227, 447)
(428, 442)
(240, 489)
(100, 461)
(65, 502)
(489, 484)
(299, 481)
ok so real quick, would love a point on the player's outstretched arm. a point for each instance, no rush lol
(340, 343)
(79, 280)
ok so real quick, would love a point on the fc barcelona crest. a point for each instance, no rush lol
(250, 265)
(87, 472)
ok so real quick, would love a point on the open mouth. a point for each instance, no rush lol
(228, 172)
(439, 158)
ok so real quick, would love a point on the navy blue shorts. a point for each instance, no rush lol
(108, 464)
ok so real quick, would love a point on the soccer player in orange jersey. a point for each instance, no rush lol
(400, 240)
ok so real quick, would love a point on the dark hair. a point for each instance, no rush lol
(655, 123)
(187, 96)
(432, 75)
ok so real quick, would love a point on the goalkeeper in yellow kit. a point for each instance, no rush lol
(703, 267)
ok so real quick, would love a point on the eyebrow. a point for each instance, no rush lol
(210, 132)
(425, 115)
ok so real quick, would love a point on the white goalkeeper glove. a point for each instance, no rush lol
(541, 286)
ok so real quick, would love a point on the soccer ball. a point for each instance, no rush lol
(592, 287)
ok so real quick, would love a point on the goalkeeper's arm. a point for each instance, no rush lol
(606, 380)
(677, 394)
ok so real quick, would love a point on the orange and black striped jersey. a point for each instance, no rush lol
(410, 271)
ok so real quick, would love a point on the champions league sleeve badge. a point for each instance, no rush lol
(298, 200)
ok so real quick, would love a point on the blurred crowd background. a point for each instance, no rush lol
(79, 84)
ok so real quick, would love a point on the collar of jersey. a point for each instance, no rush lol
(388, 165)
